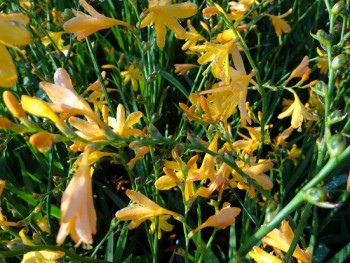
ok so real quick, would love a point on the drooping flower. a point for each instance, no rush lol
(143, 209)
(121, 125)
(222, 219)
(282, 239)
(133, 74)
(302, 71)
(163, 14)
(279, 23)
(298, 112)
(12, 33)
(83, 25)
(78, 216)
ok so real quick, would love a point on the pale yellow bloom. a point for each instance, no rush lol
(78, 216)
(143, 209)
(279, 23)
(222, 219)
(66, 100)
(133, 74)
(298, 112)
(163, 14)
(121, 125)
(12, 33)
(83, 25)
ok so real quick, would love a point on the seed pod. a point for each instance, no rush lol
(336, 116)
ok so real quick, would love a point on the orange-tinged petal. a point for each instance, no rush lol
(8, 73)
(13, 105)
(182, 10)
(223, 218)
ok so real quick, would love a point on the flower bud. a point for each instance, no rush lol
(336, 145)
(338, 7)
(339, 61)
(320, 88)
(42, 141)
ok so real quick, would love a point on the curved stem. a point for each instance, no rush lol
(333, 163)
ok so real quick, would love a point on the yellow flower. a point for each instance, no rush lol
(55, 38)
(279, 23)
(133, 74)
(78, 216)
(43, 256)
(222, 219)
(164, 14)
(260, 256)
(298, 112)
(218, 55)
(192, 37)
(140, 151)
(282, 239)
(3, 222)
(42, 141)
(5, 123)
(162, 225)
(322, 61)
(83, 25)
(182, 69)
(302, 71)
(38, 108)
(295, 154)
(12, 32)
(143, 209)
(175, 174)
(255, 171)
(281, 137)
(121, 125)
(87, 130)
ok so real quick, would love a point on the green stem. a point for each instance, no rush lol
(333, 163)
(299, 230)
(100, 78)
